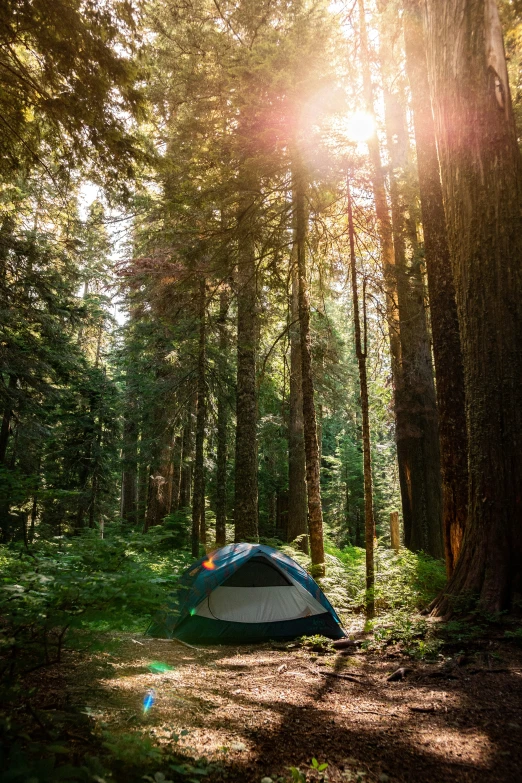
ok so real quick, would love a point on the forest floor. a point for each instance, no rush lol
(240, 714)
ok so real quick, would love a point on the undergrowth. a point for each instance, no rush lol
(76, 593)
(404, 582)
(61, 594)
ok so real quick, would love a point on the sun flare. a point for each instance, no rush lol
(360, 126)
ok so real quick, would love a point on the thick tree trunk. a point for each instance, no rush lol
(157, 496)
(417, 421)
(313, 486)
(482, 188)
(444, 320)
(129, 483)
(198, 501)
(222, 420)
(361, 353)
(297, 500)
(246, 482)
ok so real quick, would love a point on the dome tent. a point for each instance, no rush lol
(246, 593)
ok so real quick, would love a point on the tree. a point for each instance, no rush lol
(68, 91)
(313, 486)
(481, 174)
(447, 351)
(415, 403)
(198, 504)
(297, 524)
(222, 416)
(246, 487)
(414, 395)
(361, 353)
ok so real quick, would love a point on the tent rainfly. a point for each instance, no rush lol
(246, 593)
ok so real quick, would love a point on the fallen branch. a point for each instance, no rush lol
(350, 677)
(185, 644)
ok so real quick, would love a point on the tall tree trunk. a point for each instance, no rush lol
(222, 420)
(482, 189)
(361, 353)
(246, 481)
(384, 228)
(297, 500)
(176, 474)
(313, 486)
(129, 482)
(198, 500)
(187, 456)
(444, 320)
(417, 421)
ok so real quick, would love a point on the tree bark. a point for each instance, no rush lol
(198, 500)
(246, 479)
(394, 531)
(222, 420)
(157, 495)
(447, 351)
(361, 353)
(481, 174)
(313, 486)
(297, 501)
(417, 420)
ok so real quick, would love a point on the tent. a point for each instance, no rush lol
(246, 593)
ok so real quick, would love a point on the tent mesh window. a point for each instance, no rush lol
(257, 572)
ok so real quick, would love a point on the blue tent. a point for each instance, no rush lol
(246, 593)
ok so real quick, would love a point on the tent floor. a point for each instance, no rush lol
(195, 629)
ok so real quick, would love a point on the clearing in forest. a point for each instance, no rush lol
(253, 712)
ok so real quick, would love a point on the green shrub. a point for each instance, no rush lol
(62, 589)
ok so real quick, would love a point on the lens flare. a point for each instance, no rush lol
(148, 700)
(156, 667)
(209, 564)
(360, 126)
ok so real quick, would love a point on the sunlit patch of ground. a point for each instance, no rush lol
(255, 711)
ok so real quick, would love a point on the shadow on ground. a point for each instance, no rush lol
(255, 711)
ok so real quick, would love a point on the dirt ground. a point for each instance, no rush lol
(253, 712)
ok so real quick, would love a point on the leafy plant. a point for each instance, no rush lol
(319, 767)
